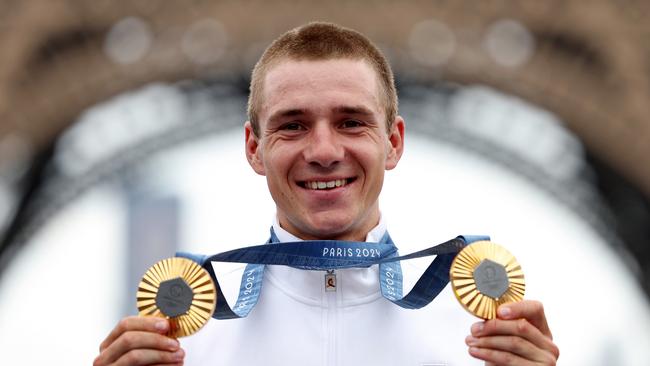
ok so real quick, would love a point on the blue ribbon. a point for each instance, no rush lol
(330, 255)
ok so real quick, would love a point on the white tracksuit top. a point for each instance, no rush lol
(297, 322)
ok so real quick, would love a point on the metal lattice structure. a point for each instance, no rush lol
(590, 63)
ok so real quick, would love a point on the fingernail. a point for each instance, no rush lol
(178, 355)
(161, 325)
(172, 344)
(471, 341)
(477, 328)
(504, 312)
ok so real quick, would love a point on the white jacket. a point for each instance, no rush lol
(297, 322)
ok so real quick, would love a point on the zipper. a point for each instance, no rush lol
(330, 281)
(332, 312)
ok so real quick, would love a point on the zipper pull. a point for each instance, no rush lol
(330, 281)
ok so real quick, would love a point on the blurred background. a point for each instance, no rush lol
(121, 142)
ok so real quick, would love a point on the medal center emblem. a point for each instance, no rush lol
(174, 297)
(491, 279)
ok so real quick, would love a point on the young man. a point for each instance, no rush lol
(323, 127)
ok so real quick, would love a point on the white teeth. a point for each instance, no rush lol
(326, 185)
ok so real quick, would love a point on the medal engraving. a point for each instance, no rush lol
(483, 276)
(174, 297)
(491, 279)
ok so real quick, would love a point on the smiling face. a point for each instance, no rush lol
(323, 146)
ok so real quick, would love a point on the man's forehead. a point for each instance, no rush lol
(288, 77)
(305, 67)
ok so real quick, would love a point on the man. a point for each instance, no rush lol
(323, 127)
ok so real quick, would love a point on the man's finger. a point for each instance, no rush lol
(519, 328)
(150, 357)
(516, 345)
(531, 310)
(496, 357)
(134, 340)
(135, 323)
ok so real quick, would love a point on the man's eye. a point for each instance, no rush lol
(292, 126)
(351, 123)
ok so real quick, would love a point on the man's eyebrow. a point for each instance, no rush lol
(353, 110)
(293, 112)
(287, 113)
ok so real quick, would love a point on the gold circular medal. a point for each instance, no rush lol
(180, 290)
(485, 275)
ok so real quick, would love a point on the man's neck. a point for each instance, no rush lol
(373, 236)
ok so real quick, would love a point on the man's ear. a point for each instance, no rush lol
(395, 143)
(253, 153)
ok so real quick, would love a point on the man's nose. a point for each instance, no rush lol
(324, 146)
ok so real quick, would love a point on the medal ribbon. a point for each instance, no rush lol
(329, 255)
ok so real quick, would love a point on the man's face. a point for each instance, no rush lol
(323, 146)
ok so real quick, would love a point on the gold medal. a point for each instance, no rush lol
(180, 290)
(483, 276)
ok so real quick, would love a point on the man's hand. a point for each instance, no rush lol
(139, 341)
(518, 336)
